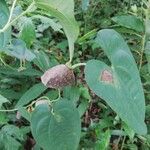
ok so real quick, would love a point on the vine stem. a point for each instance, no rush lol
(9, 110)
(122, 145)
(78, 65)
(33, 102)
(9, 23)
(144, 36)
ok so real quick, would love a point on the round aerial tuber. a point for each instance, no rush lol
(58, 77)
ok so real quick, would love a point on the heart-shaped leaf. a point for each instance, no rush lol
(4, 15)
(119, 85)
(63, 10)
(57, 129)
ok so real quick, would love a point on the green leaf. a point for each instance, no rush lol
(121, 87)
(63, 10)
(71, 93)
(84, 93)
(27, 34)
(58, 130)
(4, 15)
(12, 130)
(85, 4)
(52, 94)
(128, 131)
(129, 21)
(3, 118)
(42, 60)
(46, 23)
(9, 143)
(3, 100)
(9, 137)
(83, 106)
(103, 143)
(87, 36)
(10, 94)
(19, 50)
(14, 72)
(31, 94)
(24, 113)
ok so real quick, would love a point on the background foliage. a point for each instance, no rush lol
(38, 43)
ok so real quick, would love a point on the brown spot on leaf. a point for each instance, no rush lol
(106, 76)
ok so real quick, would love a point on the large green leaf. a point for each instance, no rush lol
(129, 21)
(59, 130)
(4, 15)
(63, 10)
(119, 85)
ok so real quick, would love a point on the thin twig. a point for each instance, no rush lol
(9, 110)
(142, 51)
(122, 145)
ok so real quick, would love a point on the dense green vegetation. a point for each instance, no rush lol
(75, 74)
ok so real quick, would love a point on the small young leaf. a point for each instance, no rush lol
(103, 143)
(3, 118)
(131, 22)
(58, 130)
(83, 106)
(31, 94)
(27, 34)
(3, 100)
(128, 131)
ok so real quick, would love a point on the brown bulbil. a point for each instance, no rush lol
(58, 77)
(106, 76)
